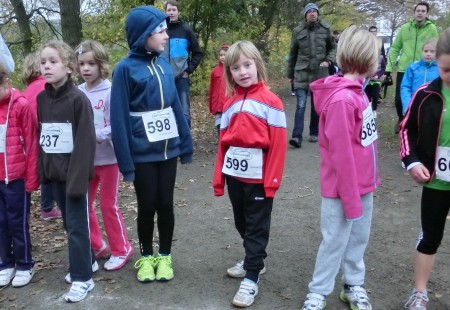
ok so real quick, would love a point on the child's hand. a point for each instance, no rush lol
(420, 173)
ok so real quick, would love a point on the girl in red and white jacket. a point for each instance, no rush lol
(217, 94)
(250, 157)
(18, 177)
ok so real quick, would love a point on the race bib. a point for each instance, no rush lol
(56, 138)
(160, 125)
(243, 162)
(369, 129)
(442, 165)
(2, 138)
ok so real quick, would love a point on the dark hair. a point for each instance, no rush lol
(171, 2)
(336, 32)
(443, 44)
(373, 27)
(424, 4)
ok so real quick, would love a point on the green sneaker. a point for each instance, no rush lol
(164, 270)
(146, 266)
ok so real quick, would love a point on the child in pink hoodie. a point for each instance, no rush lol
(348, 171)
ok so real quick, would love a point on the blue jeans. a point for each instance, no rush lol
(47, 200)
(183, 86)
(299, 120)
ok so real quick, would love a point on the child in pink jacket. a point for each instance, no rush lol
(18, 178)
(348, 171)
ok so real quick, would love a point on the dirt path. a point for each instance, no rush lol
(206, 243)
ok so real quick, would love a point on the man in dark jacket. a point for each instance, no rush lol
(313, 50)
(183, 53)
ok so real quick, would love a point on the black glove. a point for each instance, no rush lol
(387, 73)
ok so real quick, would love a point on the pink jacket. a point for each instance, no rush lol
(33, 89)
(347, 169)
(21, 141)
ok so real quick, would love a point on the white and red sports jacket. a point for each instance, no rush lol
(254, 118)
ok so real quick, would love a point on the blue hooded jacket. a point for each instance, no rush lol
(417, 74)
(144, 82)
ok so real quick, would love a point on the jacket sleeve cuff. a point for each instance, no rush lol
(128, 176)
(186, 159)
(218, 191)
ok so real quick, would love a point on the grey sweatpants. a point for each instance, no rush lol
(344, 243)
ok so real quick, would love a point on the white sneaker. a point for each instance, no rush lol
(78, 291)
(246, 294)
(23, 277)
(314, 302)
(6, 275)
(68, 279)
(238, 271)
(117, 262)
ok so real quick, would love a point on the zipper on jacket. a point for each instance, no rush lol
(6, 131)
(439, 135)
(160, 93)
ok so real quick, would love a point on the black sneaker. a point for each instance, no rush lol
(296, 142)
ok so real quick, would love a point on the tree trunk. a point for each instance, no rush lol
(23, 20)
(71, 22)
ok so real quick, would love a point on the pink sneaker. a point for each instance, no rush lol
(103, 252)
(55, 213)
(117, 262)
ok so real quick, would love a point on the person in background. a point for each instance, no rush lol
(93, 67)
(408, 44)
(419, 73)
(183, 53)
(308, 62)
(217, 96)
(372, 89)
(35, 83)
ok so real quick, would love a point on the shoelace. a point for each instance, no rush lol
(165, 259)
(246, 289)
(360, 295)
(143, 260)
(417, 299)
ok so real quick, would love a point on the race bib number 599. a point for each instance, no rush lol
(243, 162)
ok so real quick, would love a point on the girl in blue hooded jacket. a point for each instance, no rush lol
(419, 73)
(149, 133)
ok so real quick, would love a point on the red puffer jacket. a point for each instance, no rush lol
(21, 140)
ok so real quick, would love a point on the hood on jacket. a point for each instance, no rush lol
(140, 23)
(105, 84)
(326, 88)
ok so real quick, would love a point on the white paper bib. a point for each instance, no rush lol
(56, 138)
(160, 125)
(442, 165)
(243, 162)
(2, 138)
(369, 131)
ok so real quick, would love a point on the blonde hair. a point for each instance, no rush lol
(358, 50)
(31, 68)
(66, 53)
(4, 75)
(430, 41)
(443, 44)
(100, 55)
(249, 50)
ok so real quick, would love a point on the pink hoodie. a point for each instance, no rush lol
(347, 169)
